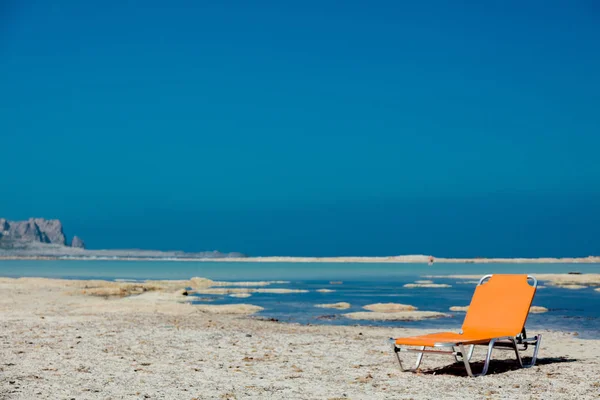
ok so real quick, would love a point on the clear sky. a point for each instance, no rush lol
(305, 127)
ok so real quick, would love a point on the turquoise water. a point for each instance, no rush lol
(569, 310)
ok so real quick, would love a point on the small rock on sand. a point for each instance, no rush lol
(325, 290)
(339, 306)
(389, 307)
(396, 316)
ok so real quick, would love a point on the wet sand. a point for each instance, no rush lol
(60, 343)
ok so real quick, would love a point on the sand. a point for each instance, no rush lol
(63, 346)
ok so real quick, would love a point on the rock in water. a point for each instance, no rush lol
(78, 243)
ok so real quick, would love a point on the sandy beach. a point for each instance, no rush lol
(61, 343)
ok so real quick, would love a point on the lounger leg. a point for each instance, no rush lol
(538, 342)
(514, 343)
(471, 352)
(486, 365)
(469, 355)
(419, 359)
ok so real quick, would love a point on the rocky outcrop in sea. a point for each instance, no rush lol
(33, 230)
(77, 242)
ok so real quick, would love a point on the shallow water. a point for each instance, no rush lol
(569, 310)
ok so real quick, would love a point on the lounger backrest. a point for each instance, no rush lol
(499, 306)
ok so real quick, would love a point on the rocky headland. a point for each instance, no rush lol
(34, 230)
(39, 238)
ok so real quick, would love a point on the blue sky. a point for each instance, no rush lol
(306, 128)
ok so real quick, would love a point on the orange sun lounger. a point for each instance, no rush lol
(495, 318)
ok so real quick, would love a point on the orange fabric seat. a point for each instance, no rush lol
(441, 337)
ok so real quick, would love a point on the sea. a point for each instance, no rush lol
(360, 284)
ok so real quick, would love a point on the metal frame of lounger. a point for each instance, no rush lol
(504, 343)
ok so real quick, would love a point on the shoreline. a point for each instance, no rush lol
(411, 259)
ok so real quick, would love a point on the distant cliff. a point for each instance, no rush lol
(39, 237)
(34, 230)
